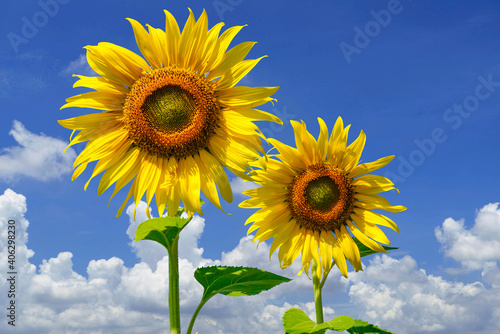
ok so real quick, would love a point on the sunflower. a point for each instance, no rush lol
(315, 194)
(170, 122)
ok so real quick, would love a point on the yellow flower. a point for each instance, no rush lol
(315, 194)
(170, 121)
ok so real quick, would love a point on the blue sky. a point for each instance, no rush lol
(423, 83)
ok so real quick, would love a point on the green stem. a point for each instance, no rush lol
(173, 287)
(193, 318)
(325, 275)
(318, 303)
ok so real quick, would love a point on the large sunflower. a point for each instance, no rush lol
(170, 121)
(315, 194)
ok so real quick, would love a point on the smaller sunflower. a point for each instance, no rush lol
(312, 196)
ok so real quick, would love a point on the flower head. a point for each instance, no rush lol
(313, 195)
(170, 121)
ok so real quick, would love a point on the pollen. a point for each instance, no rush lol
(171, 112)
(321, 197)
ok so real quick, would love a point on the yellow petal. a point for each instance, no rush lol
(103, 146)
(130, 63)
(256, 115)
(196, 43)
(376, 218)
(103, 67)
(221, 46)
(230, 59)
(106, 161)
(89, 120)
(364, 239)
(130, 193)
(159, 39)
(389, 208)
(370, 230)
(207, 182)
(338, 254)
(370, 166)
(326, 250)
(100, 84)
(122, 172)
(78, 171)
(209, 48)
(145, 43)
(219, 174)
(322, 141)
(189, 181)
(290, 154)
(270, 229)
(372, 184)
(336, 131)
(95, 100)
(304, 142)
(185, 38)
(349, 247)
(353, 153)
(246, 96)
(172, 37)
(115, 63)
(237, 72)
(292, 247)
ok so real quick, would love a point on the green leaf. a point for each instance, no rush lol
(236, 281)
(364, 250)
(363, 327)
(296, 321)
(233, 281)
(163, 230)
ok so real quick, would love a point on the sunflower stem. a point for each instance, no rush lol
(318, 303)
(193, 318)
(173, 287)
(325, 275)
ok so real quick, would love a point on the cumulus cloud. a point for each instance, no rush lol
(39, 157)
(397, 295)
(475, 248)
(393, 293)
(79, 66)
(115, 298)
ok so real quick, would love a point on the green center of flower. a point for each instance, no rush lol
(170, 108)
(322, 193)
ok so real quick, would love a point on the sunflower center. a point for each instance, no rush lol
(321, 197)
(322, 194)
(171, 112)
(170, 108)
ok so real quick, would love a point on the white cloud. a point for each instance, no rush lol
(238, 185)
(476, 248)
(402, 298)
(112, 297)
(79, 66)
(37, 156)
(393, 293)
